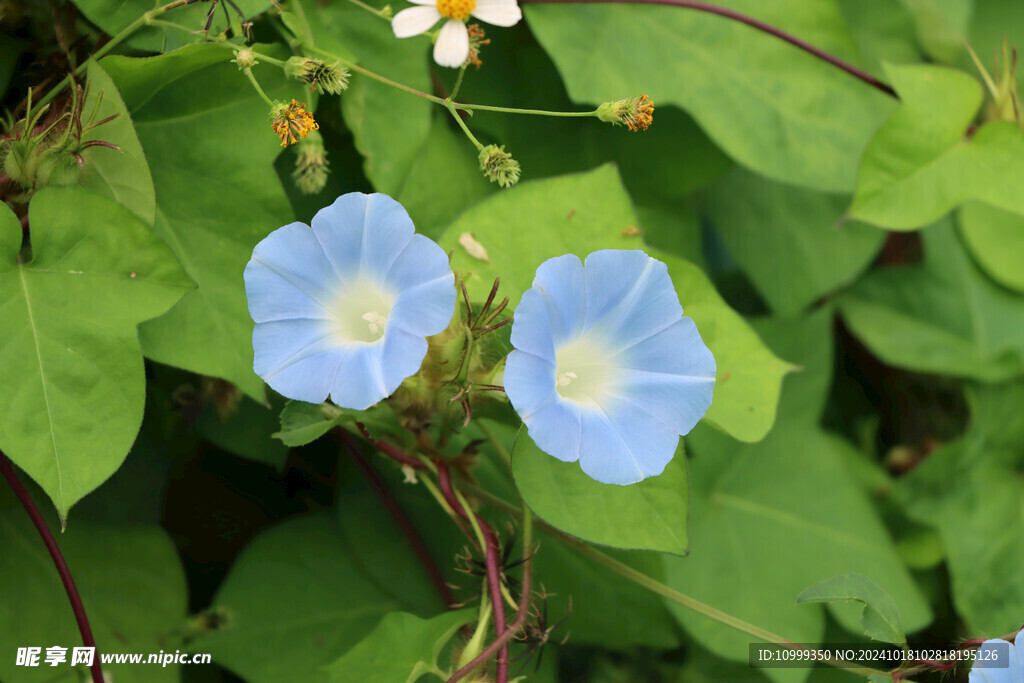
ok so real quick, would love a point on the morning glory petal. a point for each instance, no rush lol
(358, 381)
(531, 328)
(283, 351)
(427, 285)
(363, 234)
(1014, 673)
(426, 309)
(647, 305)
(556, 430)
(280, 297)
(288, 276)
(673, 387)
(533, 383)
(342, 308)
(607, 370)
(621, 444)
(401, 356)
(609, 279)
(561, 283)
(660, 352)
(420, 261)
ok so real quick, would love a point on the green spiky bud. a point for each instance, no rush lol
(311, 166)
(318, 74)
(499, 166)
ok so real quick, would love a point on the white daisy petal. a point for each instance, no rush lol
(414, 20)
(498, 12)
(452, 48)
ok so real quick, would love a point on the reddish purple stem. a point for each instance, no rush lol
(491, 562)
(58, 560)
(401, 519)
(760, 26)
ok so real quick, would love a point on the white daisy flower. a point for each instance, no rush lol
(452, 47)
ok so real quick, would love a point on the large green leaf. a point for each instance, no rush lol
(443, 179)
(883, 31)
(769, 519)
(943, 316)
(211, 151)
(598, 606)
(132, 587)
(297, 587)
(523, 227)
(941, 26)
(996, 240)
(121, 175)
(788, 240)
(807, 342)
(379, 547)
(73, 382)
(649, 515)
(772, 107)
(881, 617)
(401, 649)
(972, 492)
(921, 163)
(240, 425)
(519, 73)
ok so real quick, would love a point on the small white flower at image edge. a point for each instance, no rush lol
(452, 46)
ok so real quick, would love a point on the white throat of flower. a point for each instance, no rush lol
(583, 373)
(361, 313)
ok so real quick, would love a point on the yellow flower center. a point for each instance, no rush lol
(361, 313)
(582, 372)
(456, 9)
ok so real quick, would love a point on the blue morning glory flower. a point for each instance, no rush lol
(606, 370)
(342, 308)
(1014, 673)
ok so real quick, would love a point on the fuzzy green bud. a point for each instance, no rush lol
(318, 74)
(499, 166)
(16, 162)
(245, 59)
(61, 168)
(311, 166)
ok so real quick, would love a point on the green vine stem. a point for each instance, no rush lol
(501, 642)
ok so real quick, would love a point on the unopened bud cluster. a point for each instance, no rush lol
(49, 147)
